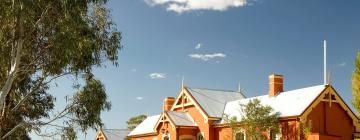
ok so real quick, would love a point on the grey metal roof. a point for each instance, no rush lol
(213, 101)
(115, 134)
(181, 118)
(146, 126)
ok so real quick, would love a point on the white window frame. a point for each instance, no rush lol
(241, 131)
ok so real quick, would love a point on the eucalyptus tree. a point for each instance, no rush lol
(133, 122)
(356, 83)
(42, 40)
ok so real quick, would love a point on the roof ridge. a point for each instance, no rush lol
(303, 88)
(282, 92)
(213, 89)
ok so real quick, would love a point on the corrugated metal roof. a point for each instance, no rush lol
(289, 103)
(181, 118)
(115, 134)
(213, 101)
(147, 126)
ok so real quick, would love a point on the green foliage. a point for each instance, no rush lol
(44, 40)
(305, 129)
(256, 119)
(232, 122)
(356, 84)
(88, 104)
(135, 121)
(69, 133)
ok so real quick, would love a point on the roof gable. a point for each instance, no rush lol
(330, 95)
(185, 93)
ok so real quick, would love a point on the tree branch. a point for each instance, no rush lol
(13, 130)
(12, 74)
(16, 55)
(37, 87)
(58, 116)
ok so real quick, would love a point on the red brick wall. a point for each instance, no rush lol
(223, 133)
(188, 131)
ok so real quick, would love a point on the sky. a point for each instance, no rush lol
(218, 44)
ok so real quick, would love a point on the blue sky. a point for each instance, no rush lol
(241, 41)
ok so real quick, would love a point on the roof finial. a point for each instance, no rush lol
(182, 82)
(239, 87)
(328, 78)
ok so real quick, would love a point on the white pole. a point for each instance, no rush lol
(325, 81)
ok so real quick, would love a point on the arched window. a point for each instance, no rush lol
(240, 136)
(199, 136)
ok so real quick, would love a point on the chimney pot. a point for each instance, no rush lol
(275, 84)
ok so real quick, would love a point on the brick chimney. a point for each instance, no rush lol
(275, 84)
(168, 103)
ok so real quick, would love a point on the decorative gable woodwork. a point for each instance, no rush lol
(100, 136)
(164, 122)
(330, 96)
(184, 100)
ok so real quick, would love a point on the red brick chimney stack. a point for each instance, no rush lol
(168, 103)
(275, 84)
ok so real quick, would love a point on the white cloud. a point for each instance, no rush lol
(157, 75)
(180, 6)
(139, 98)
(207, 57)
(342, 64)
(198, 46)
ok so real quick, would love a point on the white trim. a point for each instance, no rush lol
(240, 131)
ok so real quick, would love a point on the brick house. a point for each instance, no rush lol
(196, 114)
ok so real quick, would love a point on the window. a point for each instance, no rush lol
(199, 136)
(166, 138)
(240, 136)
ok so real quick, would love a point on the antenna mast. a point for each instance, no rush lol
(239, 88)
(325, 81)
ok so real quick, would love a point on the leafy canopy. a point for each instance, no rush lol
(133, 122)
(42, 40)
